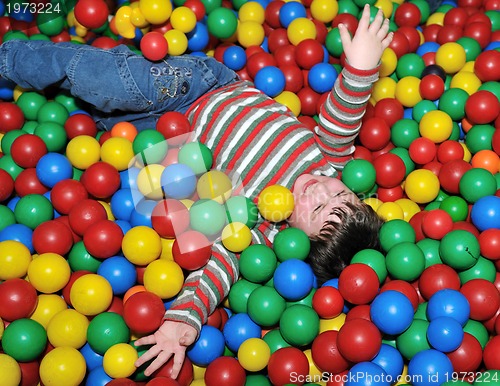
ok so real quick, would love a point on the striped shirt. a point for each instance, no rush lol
(259, 142)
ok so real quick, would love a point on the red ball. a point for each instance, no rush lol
(375, 133)
(225, 371)
(433, 166)
(390, 194)
(101, 180)
(431, 87)
(327, 302)
(350, 21)
(390, 110)
(6, 185)
(359, 340)
(482, 107)
(466, 226)
(422, 150)
(104, 42)
(449, 150)
(277, 38)
(431, 32)
(30, 373)
(308, 53)
(480, 32)
(143, 312)
(483, 298)
(491, 358)
(27, 149)
(52, 236)
(191, 250)
(287, 361)
(91, 13)
(437, 223)
(309, 100)
(449, 33)
(405, 288)
(285, 55)
(175, 127)
(362, 152)
(103, 239)
(258, 61)
(197, 7)
(489, 243)
(27, 182)
(390, 170)
(67, 193)
(18, 299)
(416, 223)
(272, 13)
(407, 14)
(11, 117)
(437, 277)
(294, 81)
(487, 66)
(162, 381)
(185, 376)
(80, 124)
(451, 173)
(359, 312)
(170, 218)
(326, 355)
(65, 220)
(455, 16)
(358, 283)
(468, 356)
(85, 213)
(154, 46)
(412, 35)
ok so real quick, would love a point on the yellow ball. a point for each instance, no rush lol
(252, 11)
(435, 18)
(141, 245)
(236, 236)
(49, 272)
(91, 294)
(123, 23)
(373, 202)
(324, 10)
(333, 324)
(250, 33)
(384, 88)
(301, 29)
(117, 151)
(107, 208)
(63, 366)
(68, 328)
(15, 259)
(254, 354)
(183, 19)
(155, 11)
(314, 372)
(149, 181)
(422, 186)
(83, 151)
(451, 57)
(10, 372)
(436, 125)
(2, 328)
(214, 185)
(276, 203)
(164, 278)
(469, 66)
(136, 17)
(47, 307)
(466, 80)
(199, 373)
(290, 100)
(177, 42)
(166, 249)
(386, 6)
(409, 207)
(390, 211)
(408, 91)
(467, 154)
(118, 361)
(388, 62)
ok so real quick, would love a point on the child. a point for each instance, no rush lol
(248, 133)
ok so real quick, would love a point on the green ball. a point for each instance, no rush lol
(410, 64)
(430, 249)
(6, 217)
(53, 111)
(258, 263)
(333, 43)
(222, 23)
(404, 132)
(405, 261)
(476, 183)
(361, 3)
(471, 47)
(30, 103)
(359, 175)
(197, 156)
(14, 35)
(69, 102)
(413, 339)
(424, 8)
(404, 154)
(478, 331)
(207, 216)
(454, 383)
(452, 102)
(53, 134)
(306, 300)
(479, 137)
(459, 249)
(421, 312)
(291, 243)
(33, 209)
(299, 325)
(211, 5)
(394, 232)
(265, 306)
(150, 147)
(483, 269)
(493, 87)
(275, 340)
(348, 6)
(79, 259)
(138, 375)
(39, 37)
(491, 376)
(8, 138)
(24, 340)
(422, 108)
(494, 17)
(239, 294)
(50, 23)
(432, 205)
(257, 380)
(455, 132)
(456, 207)
(8, 164)
(105, 330)
(30, 126)
(374, 259)
(241, 209)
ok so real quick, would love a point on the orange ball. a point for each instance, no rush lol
(125, 130)
(486, 159)
(132, 291)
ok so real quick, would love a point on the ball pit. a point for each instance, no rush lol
(117, 246)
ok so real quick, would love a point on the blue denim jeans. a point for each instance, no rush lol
(117, 83)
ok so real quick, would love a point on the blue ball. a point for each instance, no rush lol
(293, 279)
(208, 347)
(390, 360)
(13, 202)
(52, 168)
(198, 38)
(124, 225)
(18, 232)
(238, 328)
(141, 215)
(430, 368)
(321, 77)
(122, 204)
(445, 334)
(119, 272)
(270, 80)
(6, 88)
(426, 47)
(92, 359)
(98, 377)
(291, 11)
(392, 312)
(448, 302)
(485, 213)
(367, 374)
(128, 178)
(47, 196)
(178, 181)
(235, 57)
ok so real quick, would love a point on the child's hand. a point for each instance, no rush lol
(172, 338)
(365, 49)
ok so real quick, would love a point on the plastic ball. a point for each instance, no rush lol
(15, 258)
(257, 263)
(208, 347)
(103, 239)
(391, 312)
(68, 328)
(52, 168)
(49, 272)
(299, 325)
(482, 107)
(485, 212)
(265, 306)
(359, 175)
(390, 360)
(143, 312)
(11, 371)
(403, 256)
(275, 203)
(449, 303)
(62, 366)
(430, 364)
(24, 339)
(445, 334)
(436, 126)
(451, 57)
(11, 117)
(80, 124)
(224, 371)
(119, 360)
(488, 242)
(141, 245)
(359, 340)
(91, 294)
(235, 58)
(323, 11)
(91, 13)
(125, 130)
(174, 126)
(83, 151)
(250, 33)
(222, 23)
(291, 243)
(214, 185)
(477, 183)
(155, 11)
(270, 80)
(154, 46)
(287, 361)
(486, 65)
(163, 278)
(321, 77)
(27, 149)
(254, 354)
(52, 236)
(328, 302)
(484, 301)
(101, 179)
(119, 272)
(236, 237)
(358, 283)
(407, 91)
(422, 186)
(293, 279)
(105, 330)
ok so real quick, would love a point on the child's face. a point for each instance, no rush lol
(315, 198)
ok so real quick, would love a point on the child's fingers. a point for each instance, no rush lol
(145, 340)
(382, 32)
(377, 21)
(387, 41)
(364, 22)
(150, 354)
(176, 367)
(345, 36)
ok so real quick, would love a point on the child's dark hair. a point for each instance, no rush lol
(357, 228)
